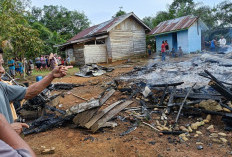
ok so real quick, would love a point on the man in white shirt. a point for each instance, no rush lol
(222, 41)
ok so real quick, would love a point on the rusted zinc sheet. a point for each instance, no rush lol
(174, 24)
(105, 26)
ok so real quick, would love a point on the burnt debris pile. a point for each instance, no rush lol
(170, 98)
(43, 109)
(90, 70)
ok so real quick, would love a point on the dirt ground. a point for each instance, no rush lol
(70, 141)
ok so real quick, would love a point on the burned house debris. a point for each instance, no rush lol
(90, 70)
(159, 96)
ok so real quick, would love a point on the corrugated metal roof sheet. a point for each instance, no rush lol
(174, 24)
(104, 27)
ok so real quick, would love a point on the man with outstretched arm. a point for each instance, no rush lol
(10, 93)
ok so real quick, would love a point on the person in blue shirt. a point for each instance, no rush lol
(11, 64)
(213, 45)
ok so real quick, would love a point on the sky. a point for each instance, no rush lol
(98, 11)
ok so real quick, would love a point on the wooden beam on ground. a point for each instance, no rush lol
(107, 96)
(110, 115)
(83, 107)
(101, 114)
(82, 118)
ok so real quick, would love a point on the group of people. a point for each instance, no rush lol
(15, 66)
(11, 144)
(45, 62)
(165, 51)
(214, 44)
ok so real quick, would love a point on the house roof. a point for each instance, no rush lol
(102, 28)
(176, 24)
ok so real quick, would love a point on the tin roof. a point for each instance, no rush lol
(105, 27)
(174, 25)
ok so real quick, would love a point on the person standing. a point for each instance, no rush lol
(43, 62)
(47, 62)
(166, 47)
(213, 45)
(163, 51)
(11, 64)
(38, 63)
(149, 50)
(173, 52)
(180, 51)
(222, 41)
(20, 67)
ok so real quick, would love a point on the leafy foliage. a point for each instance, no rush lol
(25, 41)
(219, 16)
(30, 34)
(66, 23)
(119, 13)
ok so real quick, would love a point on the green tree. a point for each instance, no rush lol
(180, 8)
(148, 21)
(66, 23)
(160, 17)
(119, 13)
(223, 13)
(206, 15)
(15, 28)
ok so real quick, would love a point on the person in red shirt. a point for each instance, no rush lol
(163, 51)
(166, 47)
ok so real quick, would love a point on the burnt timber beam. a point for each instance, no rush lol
(177, 117)
(221, 89)
(198, 96)
(168, 84)
(163, 96)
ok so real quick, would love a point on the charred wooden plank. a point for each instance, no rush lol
(163, 96)
(201, 96)
(110, 115)
(107, 96)
(170, 101)
(187, 103)
(101, 114)
(221, 89)
(177, 117)
(214, 78)
(168, 84)
(82, 118)
(206, 76)
(83, 107)
(224, 105)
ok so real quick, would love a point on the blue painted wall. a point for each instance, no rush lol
(194, 38)
(189, 40)
(182, 40)
(161, 38)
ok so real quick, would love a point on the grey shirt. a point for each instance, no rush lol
(8, 151)
(9, 93)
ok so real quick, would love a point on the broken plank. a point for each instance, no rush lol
(110, 115)
(82, 118)
(100, 114)
(164, 85)
(107, 96)
(221, 89)
(83, 107)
